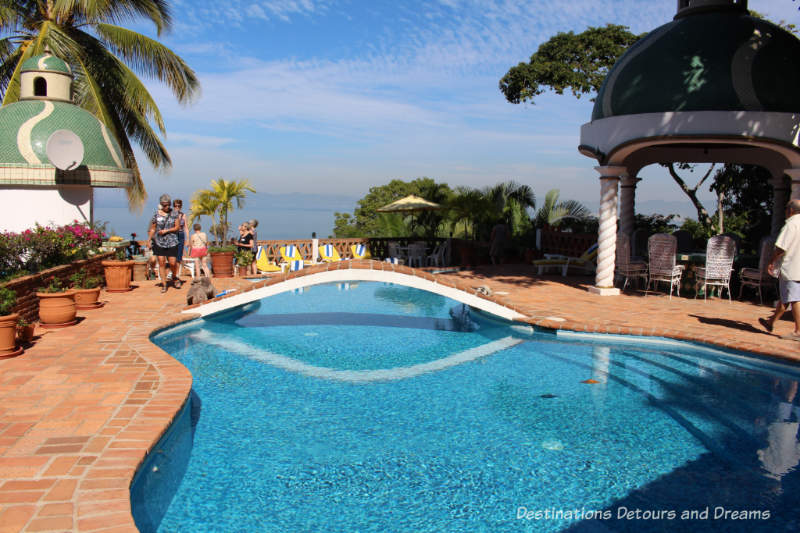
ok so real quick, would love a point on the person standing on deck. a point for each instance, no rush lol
(787, 255)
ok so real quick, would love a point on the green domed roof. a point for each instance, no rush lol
(709, 61)
(25, 127)
(46, 62)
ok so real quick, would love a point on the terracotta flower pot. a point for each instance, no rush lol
(8, 335)
(87, 298)
(222, 264)
(57, 309)
(118, 275)
(25, 333)
(241, 271)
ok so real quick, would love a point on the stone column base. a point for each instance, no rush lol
(604, 291)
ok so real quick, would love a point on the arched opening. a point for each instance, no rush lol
(39, 87)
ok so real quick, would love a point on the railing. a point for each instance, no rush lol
(566, 243)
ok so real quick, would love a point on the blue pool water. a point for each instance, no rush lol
(385, 408)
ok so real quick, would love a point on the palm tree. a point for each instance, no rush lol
(101, 55)
(220, 198)
(553, 212)
(464, 207)
(511, 202)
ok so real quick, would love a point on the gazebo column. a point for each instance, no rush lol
(794, 173)
(779, 199)
(607, 234)
(627, 204)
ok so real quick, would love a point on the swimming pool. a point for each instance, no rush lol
(372, 407)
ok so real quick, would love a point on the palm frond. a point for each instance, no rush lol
(151, 58)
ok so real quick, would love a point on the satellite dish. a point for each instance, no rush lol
(64, 149)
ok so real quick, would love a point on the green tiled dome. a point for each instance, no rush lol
(709, 61)
(46, 62)
(25, 127)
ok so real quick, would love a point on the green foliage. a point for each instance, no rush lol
(8, 299)
(219, 200)
(54, 285)
(366, 221)
(243, 257)
(655, 223)
(554, 213)
(578, 62)
(222, 249)
(81, 280)
(85, 35)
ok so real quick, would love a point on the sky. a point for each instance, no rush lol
(329, 98)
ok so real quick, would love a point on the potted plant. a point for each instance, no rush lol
(8, 323)
(25, 330)
(244, 258)
(87, 290)
(56, 305)
(118, 272)
(222, 260)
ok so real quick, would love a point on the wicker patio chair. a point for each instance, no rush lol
(625, 267)
(758, 277)
(661, 248)
(720, 252)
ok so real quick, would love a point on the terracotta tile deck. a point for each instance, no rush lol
(81, 407)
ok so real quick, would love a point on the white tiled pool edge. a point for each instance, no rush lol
(334, 276)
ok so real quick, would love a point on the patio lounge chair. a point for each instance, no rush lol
(290, 253)
(329, 253)
(662, 248)
(756, 277)
(360, 251)
(585, 262)
(720, 251)
(625, 266)
(263, 264)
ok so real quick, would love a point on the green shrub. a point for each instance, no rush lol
(243, 257)
(8, 299)
(55, 285)
(221, 249)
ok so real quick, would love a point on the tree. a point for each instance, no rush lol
(580, 63)
(220, 198)
(510, 202)
(553, 212)
(103, 57)
(568, 61)
(366, 221)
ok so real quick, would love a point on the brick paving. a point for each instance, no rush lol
(80, 409)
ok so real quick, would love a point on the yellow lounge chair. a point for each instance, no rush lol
(263, 264)
(329, 253)
(360, 251)
(585, 261)
(290, 253)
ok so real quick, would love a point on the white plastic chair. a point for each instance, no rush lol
(188, 263)
(662, 267)
(416, 254)
(437, 257)
(720, 252)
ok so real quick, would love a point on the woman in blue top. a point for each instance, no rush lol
(164, 227)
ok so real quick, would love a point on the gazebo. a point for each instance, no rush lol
(52, 152)
(714, 85)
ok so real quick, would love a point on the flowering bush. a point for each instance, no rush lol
(45, 246)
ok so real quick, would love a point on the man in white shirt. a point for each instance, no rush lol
(787, 254)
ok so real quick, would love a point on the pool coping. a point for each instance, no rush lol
(68, 465)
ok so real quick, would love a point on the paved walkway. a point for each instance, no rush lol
(81, 407)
